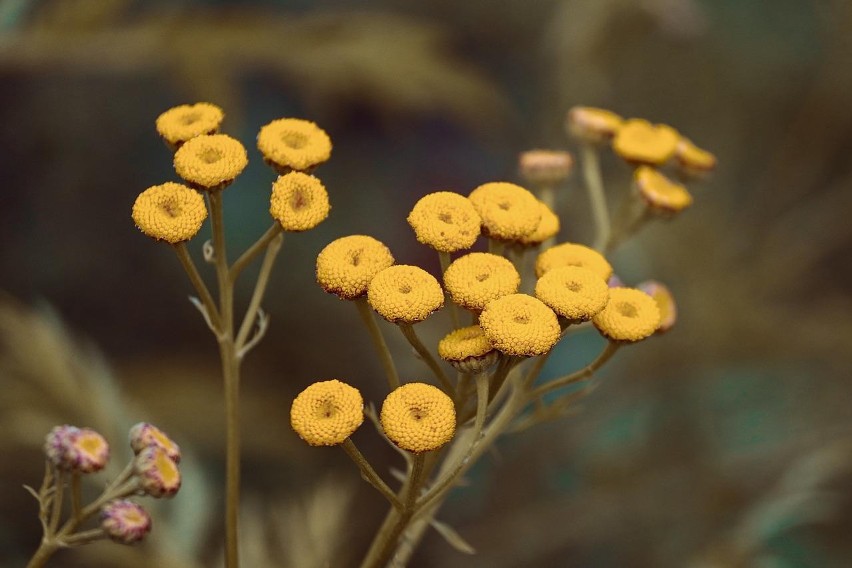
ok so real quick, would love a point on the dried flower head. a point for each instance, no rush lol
(593, 125)
(180, 123)
(404, 293)
(445, 221)
(210, 162)
(57, 446)
(693, 160)
(665, 302)
(144, 435)
(327, 412)
(299, 202)
(572, 254)
(418, 417)
(548, 227)
(630, 315)
(347, 265)
(169, 212)
(659, 192)
(520, 325)
(545, 167)
(76, 449)
(158, 474)
(293, 144)
(573, 292)
(468, 350)
(124, 521)
(640, 142)
(475, 279)
(508, 211)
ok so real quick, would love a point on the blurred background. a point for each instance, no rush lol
(725, 443)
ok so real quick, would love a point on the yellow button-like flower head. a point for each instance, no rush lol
(659, 192)
(520, 325)
(404, 293)
(665, 301)
(508, 211)
(179, 124)
(170, 212)
(693, 160)
(347, 265)
(548, 227)
(475, 279)
(573, 292)
(445, 221)
(593, 125)
(293, 144)
(418, 417)
(630, 315)
(299, 201)
(640, 142)
(545, 167)
(211, 162)
(572, 254)
(468, 350)
(327, 412)
(158, 474)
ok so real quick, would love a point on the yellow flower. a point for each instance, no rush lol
(593, 125)
(299, 202)
(418, 417)
(630, 315)
(665, 302)
(445, 221)
(571, 254)
(210, 161)
(179, 124)
(475, 279)
(659, 192)
(508, 211)
(520, 325)
(693, 160)
(327, 412)
(158, 474)
(467, 349)
(573, 292)
(170, 212)
(404, 293)
(346, 265)
(548, 227)
(143, 435)
(640, 142)
(545, 167)
(293, 143)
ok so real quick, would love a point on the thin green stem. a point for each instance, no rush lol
(84, 537)
(597, 197)
(385, 356)
(583, 373)
(253, 251)
(198, 284)
(495, 246)
(76, 495)
(426, 355)
(369, 474)
(259, 290)
(454, 309)
(58, 501)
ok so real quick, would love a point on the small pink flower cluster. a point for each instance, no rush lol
(75, 449)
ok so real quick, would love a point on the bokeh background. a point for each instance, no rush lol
(725, 443)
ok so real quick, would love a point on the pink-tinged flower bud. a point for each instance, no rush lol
(158, 474)
(665, 301)
(545, 167)
(76, 449)
(57, 444)
(125, 521)
(144, 435)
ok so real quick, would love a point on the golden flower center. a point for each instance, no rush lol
(355, 257)
(627, 310)
(405, 289)
(190, 118)
(90, 444)
(574, 286)
(504, 205)
(417, 413)
(482, 277)
(299, 200)
(522, 318)
(171, 208)
(325, 409)
(446, 218)
(295, 140)
(209, 155)
(167, 468)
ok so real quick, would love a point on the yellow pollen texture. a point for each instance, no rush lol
(520, 325)
(404, 293)
(659, 192)
(445, 221)
(548, 227)
(640, 142)
(294, 143)
(169, 212)
(572, 254)
(347, 265)
(508, 211)
(158, 473)
(477, 278)
(630, 315)
(418, 417)
(299, 202)
(573, 292)
(463, 343)
(210, 161)
(327, 412)
(179, 124)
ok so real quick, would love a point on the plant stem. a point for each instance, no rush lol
(426, 355)
(583, 373)
(369, 474)
(253, 251)
(198, 284)
(378, 341)
(76, 495)
(597, 198)
(259, 289)
(495, 246)
(58, 499)
(454, 309)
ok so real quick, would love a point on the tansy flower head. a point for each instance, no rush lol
(573, 292)
(468, 350)
(158, 474)
(520, 325)
(169, 212)
(299, 201)
(57, 446)
(210, 162)
(180, 123)
(630, 315)
(326, 413)
(293, 144)
(144, 435)
(665, 302)
(475, 279)
(418, 417)
(508, 211)
(659, 192)
(693, 160)
(572, 254)
(346, 265)
(545, 167)
(548, 227)
(404, 293)
(640, 142)
(76, 449)
(445, 221)
(124, 521)
(593, 125)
